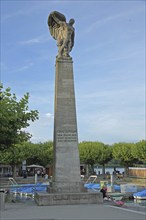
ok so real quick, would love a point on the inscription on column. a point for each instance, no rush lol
(66, 136)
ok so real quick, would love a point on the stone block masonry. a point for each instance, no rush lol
(66, 170)
(45, 199)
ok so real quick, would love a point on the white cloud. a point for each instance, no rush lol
(109, 18)
(38, 139)
(22, 68)
(110, 126)
(49, 115)
(42, 129)
(29, 8)
(36, 40)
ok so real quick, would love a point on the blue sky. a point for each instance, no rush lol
(109, 65)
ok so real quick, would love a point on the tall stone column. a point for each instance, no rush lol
(66, 185)
(66, 169)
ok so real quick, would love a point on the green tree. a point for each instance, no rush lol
(92, 153)
(104, 155)
(40, 153)
(14, 117)
(46, 153)
(139, 151)
(123, 153)
(13, 156)
(87, 151)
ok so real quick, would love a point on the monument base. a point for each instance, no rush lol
(66, 187)
(49, 199)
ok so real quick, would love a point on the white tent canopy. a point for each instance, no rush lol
(34, 166)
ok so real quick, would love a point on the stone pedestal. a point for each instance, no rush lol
(66, 187)
(45, 199)
(66, 169)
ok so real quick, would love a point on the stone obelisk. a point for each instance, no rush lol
(66, 170)
(66, 185)
(66, 167)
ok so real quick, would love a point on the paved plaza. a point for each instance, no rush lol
(24, 211)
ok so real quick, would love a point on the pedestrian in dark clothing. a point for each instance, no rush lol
(103, 191)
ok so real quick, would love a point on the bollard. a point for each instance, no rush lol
(112, 180)
(2, 200)
(35, 178)
(111, 187)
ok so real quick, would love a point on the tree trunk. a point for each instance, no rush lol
(92, 169)
(14, 170)
(126, 171)
(87, 170)
(103, 169)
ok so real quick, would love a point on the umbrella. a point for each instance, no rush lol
(34, 166)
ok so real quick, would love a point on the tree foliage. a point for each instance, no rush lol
(14, 156)
(123, 153)
(92, 153)
(139, 151)
(14, 117)
(104, 155)
(87, 151)
(41, 154)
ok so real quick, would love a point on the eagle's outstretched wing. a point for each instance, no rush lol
(54, 23)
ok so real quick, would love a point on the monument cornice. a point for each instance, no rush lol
(64, 59)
